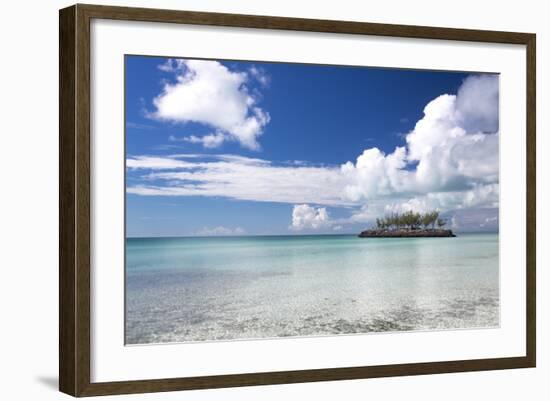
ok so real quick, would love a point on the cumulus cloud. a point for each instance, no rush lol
(448, 161)
(209, 93)
(452, 144)
(451, 147)
(477, 103)
(375, 174)
(308, 217)
(220, 231)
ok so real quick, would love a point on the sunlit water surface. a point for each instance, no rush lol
(196, 289)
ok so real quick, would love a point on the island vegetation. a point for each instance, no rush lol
(409, 224)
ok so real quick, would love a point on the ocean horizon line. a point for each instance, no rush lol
(278, 235)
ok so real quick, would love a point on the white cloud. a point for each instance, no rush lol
(260, 75)
(239, 177)
(207, 92)
(170, 65)
(208, 141)
(449, 161)
(220, 231)
(375, 174)
(480, 196)
(449, 145)
(450, 142)
(156, 163)
(308, 217)
(477, 103)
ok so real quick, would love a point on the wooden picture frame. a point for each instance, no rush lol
(74, 200)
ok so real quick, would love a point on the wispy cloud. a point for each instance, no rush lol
(237, 177)
(138, 126)
(156, 163)
(220, 231)
(260, 75)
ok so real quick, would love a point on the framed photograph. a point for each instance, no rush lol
(249, 200)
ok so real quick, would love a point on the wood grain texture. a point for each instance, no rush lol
(301, 24)
(531, 202)
(82, 192)
(302, 376)
(67, 290)
(74, 199)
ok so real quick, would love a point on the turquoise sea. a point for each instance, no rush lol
(205, 289)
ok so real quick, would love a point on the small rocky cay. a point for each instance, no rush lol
(409, 224)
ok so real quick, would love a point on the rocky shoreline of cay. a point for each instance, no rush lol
(406, 233)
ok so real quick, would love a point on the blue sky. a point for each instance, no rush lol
(234, 148)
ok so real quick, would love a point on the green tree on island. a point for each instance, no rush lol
(410, 221)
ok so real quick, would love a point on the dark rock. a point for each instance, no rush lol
(406, 233)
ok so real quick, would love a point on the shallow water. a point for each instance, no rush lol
(197, 289)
